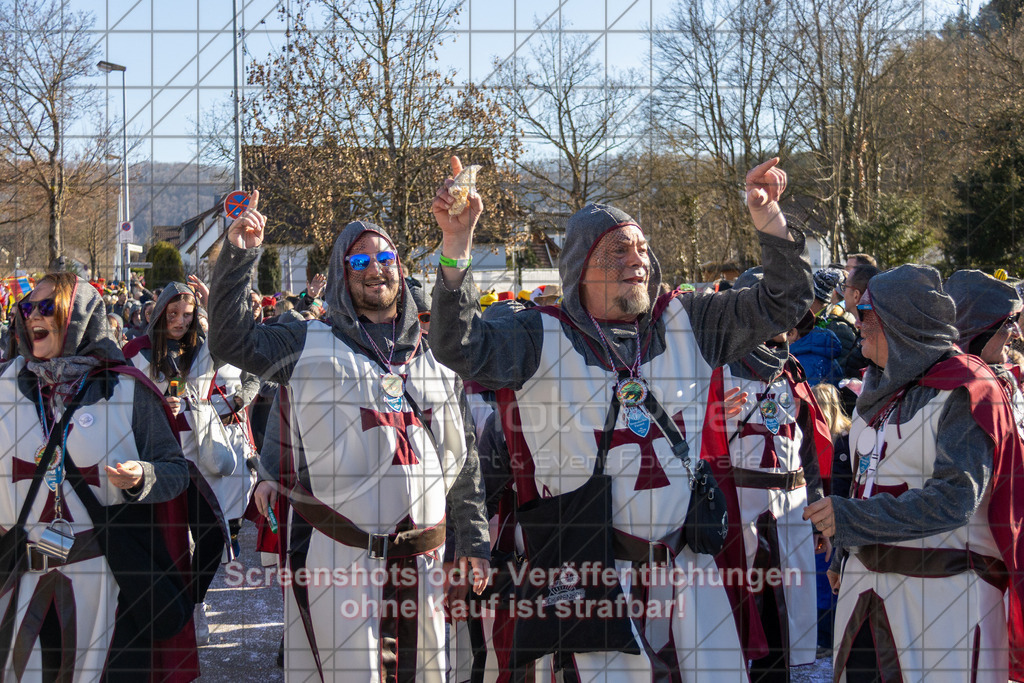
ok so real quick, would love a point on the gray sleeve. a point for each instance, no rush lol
(960, 477)
(728, 325)
(269, 351)
(165, 472)
(250, 387)
(466, 498)
(809, 456)
(270, 455)
(499, 353)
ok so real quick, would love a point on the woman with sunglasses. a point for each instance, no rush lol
(930, 533)
(120, 441)
(175, 356)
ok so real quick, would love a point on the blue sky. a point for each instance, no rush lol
(178, 52)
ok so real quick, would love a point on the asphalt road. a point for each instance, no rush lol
(246, 623)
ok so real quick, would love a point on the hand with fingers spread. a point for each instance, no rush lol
(733, 402)
(246, 232)
(202, 291)
(315, 287)
(821, 515)
(765, 185)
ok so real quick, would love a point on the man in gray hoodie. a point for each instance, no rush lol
(369, 444)
(556, 369)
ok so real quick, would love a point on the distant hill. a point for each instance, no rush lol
(167, 194)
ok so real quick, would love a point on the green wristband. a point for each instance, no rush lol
(455, 263)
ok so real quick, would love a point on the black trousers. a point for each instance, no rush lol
(208, 537)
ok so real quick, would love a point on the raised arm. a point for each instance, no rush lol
(728, 325)
(497, 353)
(269, 351)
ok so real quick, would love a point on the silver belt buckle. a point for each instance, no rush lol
(375, 554)
(32, 551)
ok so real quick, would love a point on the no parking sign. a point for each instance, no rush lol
(236, 203)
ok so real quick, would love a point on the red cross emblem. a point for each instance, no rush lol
(404, 454)
(651, 475)
(769, 456)
(23, 469)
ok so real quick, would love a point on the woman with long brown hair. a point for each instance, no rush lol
(208, 400)
(86, 448)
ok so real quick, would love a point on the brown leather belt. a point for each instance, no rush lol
(642, 551)
(933, 563)
(330, 522)
(85, 547)
(757, 479)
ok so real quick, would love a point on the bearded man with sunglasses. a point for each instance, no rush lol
(931, 531)
(369, 463)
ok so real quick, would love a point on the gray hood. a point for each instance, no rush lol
(582, 233)
(172, 290)
(87, 332)
(764, 362)
(981, 302)
(342, 312)
(917, 320)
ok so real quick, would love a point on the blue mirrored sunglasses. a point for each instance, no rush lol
(386, 259)
(861, 308)
(45, 306)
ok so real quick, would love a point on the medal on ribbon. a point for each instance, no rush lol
(393, 388)
(631, 392)
(55, 472)
(770, 415)
(638, 421)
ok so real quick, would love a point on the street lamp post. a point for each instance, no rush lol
(107, 67)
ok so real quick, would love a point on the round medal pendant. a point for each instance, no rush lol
(56, 455)
(54, 473)
(392, 385)
(631, 392)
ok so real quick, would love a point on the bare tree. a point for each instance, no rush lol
(720, 101)
(839, 55)
(357, 119)
(45, 52)
(579, 114)
(90, 222)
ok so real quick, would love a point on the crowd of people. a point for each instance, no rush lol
(604, 479)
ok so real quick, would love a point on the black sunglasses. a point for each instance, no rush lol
(46, 307)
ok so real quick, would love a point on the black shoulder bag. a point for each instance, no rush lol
(569, 540)
(152, 597)
(707, 522)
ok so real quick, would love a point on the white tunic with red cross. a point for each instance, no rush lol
(775, 448)
(99, 435)
(560, 414)
(204, 383)
(940, 629)
(379, 468)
